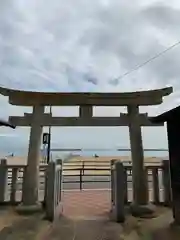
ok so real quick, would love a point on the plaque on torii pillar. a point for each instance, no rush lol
(134, 119)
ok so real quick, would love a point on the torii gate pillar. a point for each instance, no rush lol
(140, 188)
(31, 176)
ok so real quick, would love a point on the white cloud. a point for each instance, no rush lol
(63, 46)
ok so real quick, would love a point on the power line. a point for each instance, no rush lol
(116, 80)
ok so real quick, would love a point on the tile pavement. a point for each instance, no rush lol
(85, 216)
(87, 204)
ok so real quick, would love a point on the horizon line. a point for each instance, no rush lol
(105, 149)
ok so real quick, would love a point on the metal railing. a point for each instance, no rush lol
(84, 172)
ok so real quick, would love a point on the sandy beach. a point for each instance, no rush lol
(108, 159)
(91, 165)
(19, 160)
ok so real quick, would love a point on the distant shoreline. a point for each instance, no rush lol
(55, 153)
(105, 149)
(19, 160)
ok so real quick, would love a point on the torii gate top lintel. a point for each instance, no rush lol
(29, 98)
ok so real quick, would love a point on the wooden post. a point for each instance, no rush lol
(3, 179)
(50, 190)
(60, 162)
(166, 183)
(83, 167)
(60, 182)
(45, 186)
(13, 185)
(112, 180)
(125, 186)
(155, 185)
(80, 179)
(119, 192)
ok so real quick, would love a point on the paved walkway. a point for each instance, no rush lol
(69, 229)
(86, 217)
(104, 229)
(87, 204)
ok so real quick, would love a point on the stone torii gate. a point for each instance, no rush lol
(37, 119)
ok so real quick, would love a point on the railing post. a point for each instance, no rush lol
(146, 183)
(60, 162)
(45, 187)
(155, 185)
(166, 183)
(83, 167)
(13, 185)
(125, 186)
(119, 192)
(23, 184)
(80, 179)
(51, 170)
(3, 179)
(112, 180)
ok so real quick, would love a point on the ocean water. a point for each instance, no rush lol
(58, 153)
(89, 153)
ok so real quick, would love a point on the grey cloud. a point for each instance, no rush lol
(166, 20)
(127, 36)
(164, 17)
(166, 69)
(109, 39)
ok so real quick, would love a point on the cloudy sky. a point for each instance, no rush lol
(83, 45)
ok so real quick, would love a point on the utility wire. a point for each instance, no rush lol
(116, 80)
